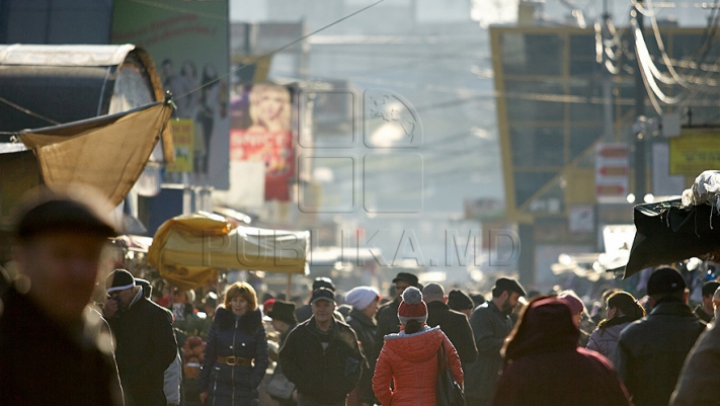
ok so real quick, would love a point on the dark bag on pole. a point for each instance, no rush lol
(447, 391)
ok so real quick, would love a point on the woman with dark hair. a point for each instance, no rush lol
(544, 366)
(409, 359)
(622, 309)
(236, 354)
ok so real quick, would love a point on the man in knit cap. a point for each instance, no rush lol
(490, 323)
(146, 344)
(321, 355)
(460, 302)
(364, 301)
(651, 351)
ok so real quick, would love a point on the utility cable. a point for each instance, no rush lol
(281, 48)
(28, 112)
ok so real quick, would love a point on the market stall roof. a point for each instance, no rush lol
(57, 84)
(188, 250)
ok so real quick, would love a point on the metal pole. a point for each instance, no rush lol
(288, 287)
(640, 142)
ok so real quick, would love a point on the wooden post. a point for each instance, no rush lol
(289, 287)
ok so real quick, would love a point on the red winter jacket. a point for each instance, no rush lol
(410, 361)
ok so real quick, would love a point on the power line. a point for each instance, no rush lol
(232, 71)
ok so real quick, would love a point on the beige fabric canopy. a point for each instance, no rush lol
(108, 152)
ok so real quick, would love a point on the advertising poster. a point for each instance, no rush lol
(183, 132)
(261, 131)
(188, 41)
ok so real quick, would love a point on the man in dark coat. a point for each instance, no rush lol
(490, 323)
(651, 351)
(283, 321)
(387, 318)
(704, 311)
(321, 355)
(454, 324)
(146, 344)
(52, 348)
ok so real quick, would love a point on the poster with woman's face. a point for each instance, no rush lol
(261, 131)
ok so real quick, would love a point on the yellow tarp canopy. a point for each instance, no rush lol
(189, 250)
(108, 152)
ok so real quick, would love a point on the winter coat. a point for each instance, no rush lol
(699, 383)
(651, 351)
(490, 327)
(146, 347)
(365, 329)
(701, 314)
(545, 367)
(456, 327)
(410, 361)
(387, 322)
(322, 375)
(41, 363)
(242, 337)
(605, 341)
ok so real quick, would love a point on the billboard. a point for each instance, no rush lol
(695, 151)
(261, 131)
(189, 43)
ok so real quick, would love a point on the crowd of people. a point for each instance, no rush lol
(61, 345)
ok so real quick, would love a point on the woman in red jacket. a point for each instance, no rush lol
(410, 358)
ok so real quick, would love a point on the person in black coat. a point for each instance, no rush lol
(236, 355)
(145, 340)
(454, 324)
(321, 356)
(52, 347)
(364, 301)
(651, 351)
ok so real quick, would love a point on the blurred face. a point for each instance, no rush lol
(612, 312)
(400, 287)
(63, 268)
(126, 296)
(372, 309)
(323, 311)
(511, 300)
(577, 318)
(239, 305)
(280, 326)
(270, 105)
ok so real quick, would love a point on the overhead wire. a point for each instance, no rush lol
(288, 45)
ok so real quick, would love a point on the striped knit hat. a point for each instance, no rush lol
(412, 306)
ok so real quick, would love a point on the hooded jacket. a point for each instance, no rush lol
(410, 361)
(240, 337)
(605, 341)
(544, 366)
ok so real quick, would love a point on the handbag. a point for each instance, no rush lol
(447, 391)
(279, 387)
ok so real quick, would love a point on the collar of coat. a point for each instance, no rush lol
(251, 321)
(362, 318)
(425, 329)
(671, 308)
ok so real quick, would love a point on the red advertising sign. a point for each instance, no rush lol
(261, 131)
(611, 172)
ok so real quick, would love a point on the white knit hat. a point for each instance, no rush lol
(361, 297)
